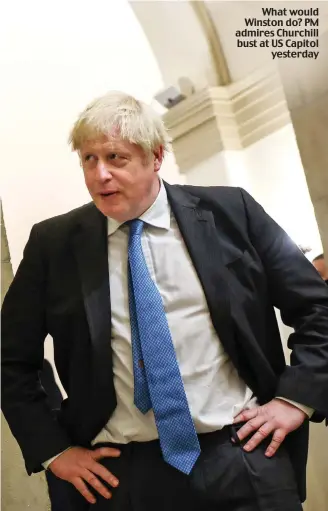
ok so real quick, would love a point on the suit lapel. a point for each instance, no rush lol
(202, 240)
(200, 234)
(91, 252)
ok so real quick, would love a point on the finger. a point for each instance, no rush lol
(105, 452)
(277, 439)
(246, 415)
(251, 426)
(105, 474)
(96, 484)
(82, 488)
(263, 432)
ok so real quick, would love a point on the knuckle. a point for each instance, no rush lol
(251, 424)
(112, 481)
(274, 446)
(108, 478)
(73, 471)
(105, 475)
(78, 483)
(68, 475)
(86, 463)
(95, 468)
(94, 481)
(278, 438)
(262, 433)
(88, 455)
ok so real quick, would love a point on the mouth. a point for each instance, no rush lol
(107, 194)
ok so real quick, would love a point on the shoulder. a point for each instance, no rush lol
(229, 204)
(66, 221)
(229, 199)
(222, 193)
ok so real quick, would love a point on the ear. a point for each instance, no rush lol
(158, 158)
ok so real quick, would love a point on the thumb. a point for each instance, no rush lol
(105, 452)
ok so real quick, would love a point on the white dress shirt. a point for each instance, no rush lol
(214, 391)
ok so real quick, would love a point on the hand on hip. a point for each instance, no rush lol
(79, 465)
(276, 418)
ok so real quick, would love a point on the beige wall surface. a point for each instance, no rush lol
(49, 79)
(229, 17)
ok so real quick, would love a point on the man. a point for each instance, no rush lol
(160, 300)
(321, 267)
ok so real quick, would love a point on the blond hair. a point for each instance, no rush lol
(117, 112)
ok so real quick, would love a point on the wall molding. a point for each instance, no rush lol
(233, 117)
(214, 44)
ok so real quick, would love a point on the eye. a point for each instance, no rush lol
(113, 156)
(88, 157)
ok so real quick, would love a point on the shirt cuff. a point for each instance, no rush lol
(46, 463)
(306, 409)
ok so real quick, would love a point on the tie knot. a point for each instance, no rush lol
(136, 227)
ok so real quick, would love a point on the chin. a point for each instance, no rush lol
(112, 210)
(117, 213)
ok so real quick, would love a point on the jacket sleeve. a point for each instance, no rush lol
(298, 291)
(24, 402)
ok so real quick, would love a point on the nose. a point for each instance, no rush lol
(103, 171)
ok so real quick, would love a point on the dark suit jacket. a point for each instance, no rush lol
(246, 264)
(48, 382)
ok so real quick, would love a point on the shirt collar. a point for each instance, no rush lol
(157, 215)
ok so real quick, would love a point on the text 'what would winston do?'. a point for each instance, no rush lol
(289, 33)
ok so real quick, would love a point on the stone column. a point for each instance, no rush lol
(306, 89)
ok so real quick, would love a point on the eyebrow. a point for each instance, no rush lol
(107, 150)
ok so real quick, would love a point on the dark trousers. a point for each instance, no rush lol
(225, 478)
(59, 493)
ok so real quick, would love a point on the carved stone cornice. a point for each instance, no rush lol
(226, 118)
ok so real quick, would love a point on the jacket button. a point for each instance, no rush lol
(141, 364)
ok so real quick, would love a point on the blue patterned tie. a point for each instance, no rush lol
(157, 378)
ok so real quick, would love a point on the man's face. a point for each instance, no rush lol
(121, 180)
